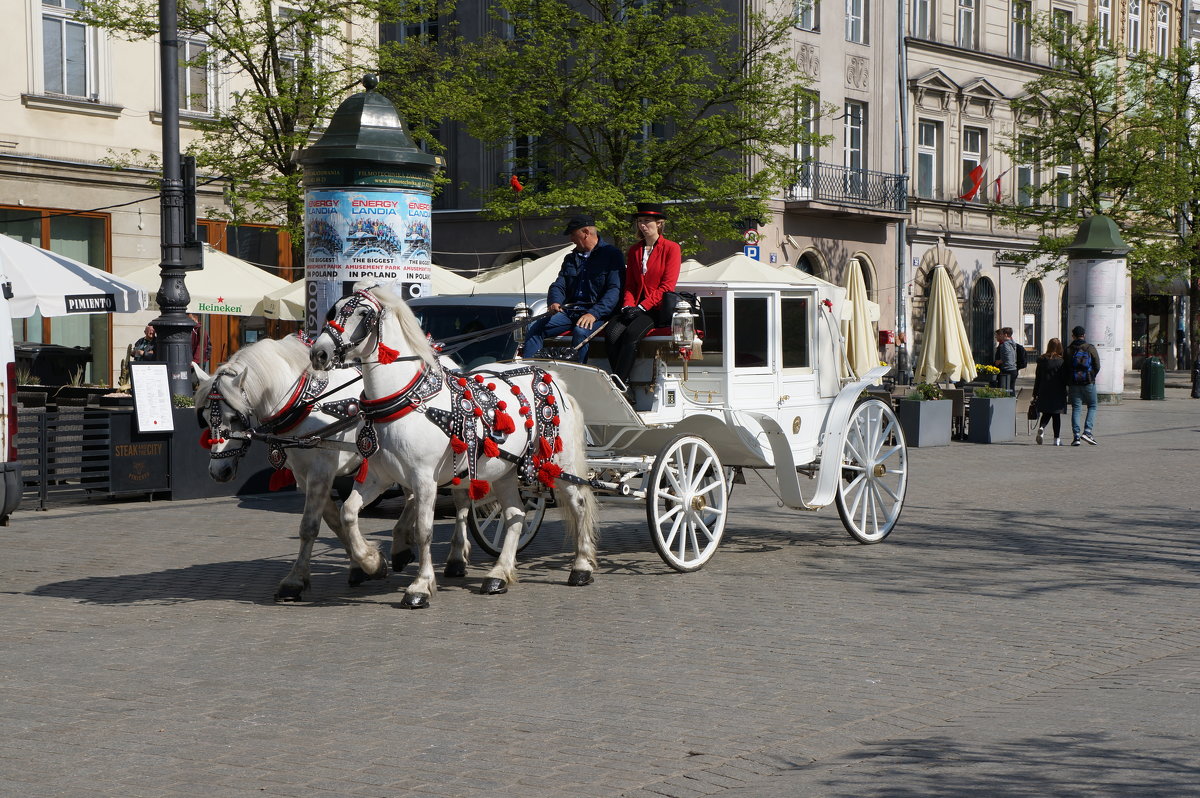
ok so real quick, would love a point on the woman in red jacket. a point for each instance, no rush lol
(651, 269)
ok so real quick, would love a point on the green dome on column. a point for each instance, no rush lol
(1097, 236)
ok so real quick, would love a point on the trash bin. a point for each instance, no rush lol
(1154, 379)
(52, 364)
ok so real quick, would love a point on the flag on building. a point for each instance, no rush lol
(976, 179)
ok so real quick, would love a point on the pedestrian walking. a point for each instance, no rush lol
(1082, 366)
(1050, 390)
(1006, 359)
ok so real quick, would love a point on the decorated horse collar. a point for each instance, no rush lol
(299, 404)
(424, 385)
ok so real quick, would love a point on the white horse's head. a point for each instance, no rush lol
(231, 402)
(358, 324)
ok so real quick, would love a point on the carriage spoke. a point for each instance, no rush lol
(701, 474)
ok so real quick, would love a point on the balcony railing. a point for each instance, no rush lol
(859, 188)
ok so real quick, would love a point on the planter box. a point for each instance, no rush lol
(992, 420)
(925, 423)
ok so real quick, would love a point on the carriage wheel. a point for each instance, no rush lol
(874, 472)
(686, 503)
(486, 522)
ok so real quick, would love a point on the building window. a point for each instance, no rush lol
(195, 77)
(1027, 171)
(83, 237)
(68, 51)
(929, 140)
(1134, 40)
(1062, 20)
(974, 145)
(1104, 21)
(924, 15)
(1031, 316)
(808, 126)
(1162, 30)
(968, 24)
(856, 21)
(855, 139)
(1062, 179)
(983, 320)
(807, 14)
(425, 30)
(1022, 15)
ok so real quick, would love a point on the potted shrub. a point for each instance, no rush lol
(925, 416)
(992, 414)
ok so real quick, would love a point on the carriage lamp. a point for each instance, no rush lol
(683, 332)
(520, 318)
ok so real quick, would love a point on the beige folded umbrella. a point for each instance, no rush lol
(861, 350)
(945, 349)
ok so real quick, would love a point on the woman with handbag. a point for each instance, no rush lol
(651, 269)
(1050, 389)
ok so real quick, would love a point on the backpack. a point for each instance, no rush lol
(1021, 361)
(1081, 365)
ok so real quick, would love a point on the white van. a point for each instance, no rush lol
(10, 467)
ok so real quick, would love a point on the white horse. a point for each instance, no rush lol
(464, 433)
(267, 387)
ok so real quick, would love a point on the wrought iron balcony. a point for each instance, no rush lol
(859, 188)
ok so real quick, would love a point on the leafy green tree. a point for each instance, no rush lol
(289, 69)
(620, 101)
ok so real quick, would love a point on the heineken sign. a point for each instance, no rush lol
(220, 306)
(91, 303)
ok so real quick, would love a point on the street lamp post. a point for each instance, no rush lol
(173, 328)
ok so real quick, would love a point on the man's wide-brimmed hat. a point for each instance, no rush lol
(652, 209)
(576, 222)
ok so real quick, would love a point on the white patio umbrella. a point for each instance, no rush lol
(534, 278)
(55, 285)
(945, 349)
(287, 303)
(861, 349)
(226, 286)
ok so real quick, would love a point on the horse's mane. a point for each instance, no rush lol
(261, 366)
(410, 329)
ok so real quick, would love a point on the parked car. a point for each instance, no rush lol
(448, 316)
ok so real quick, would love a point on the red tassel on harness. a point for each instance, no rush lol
(503, 422)
(387, 354)
(205, 441)
(548, 472)
(361, 476)
(282, 478)
(458, 444)
(336, 326)
(456, 481)
(544, 448)
(557, 444)
(529, 423)
(479, 379)
(490, 448)
(479, 488)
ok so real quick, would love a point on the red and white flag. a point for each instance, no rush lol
(976, 178)
(996, 185)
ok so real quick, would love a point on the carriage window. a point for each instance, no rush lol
(750, 332)
(794, 332)
(712, 323)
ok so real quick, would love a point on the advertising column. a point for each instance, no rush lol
(1098, 299)
(367, 199)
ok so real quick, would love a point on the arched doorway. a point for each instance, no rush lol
(1031, 318)
(983, 320)
(808, 264)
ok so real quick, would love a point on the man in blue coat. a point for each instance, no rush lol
(586, 293)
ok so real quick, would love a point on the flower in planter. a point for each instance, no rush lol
(986, 371)
(991, 393)
(925, 392)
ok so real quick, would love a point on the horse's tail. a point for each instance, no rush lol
(581, 511)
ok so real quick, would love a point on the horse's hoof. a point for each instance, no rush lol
(357, 576)
(414, 601)
(289, 593)
(493, 587)
(580, 578)
(401, 560)
(455, 570)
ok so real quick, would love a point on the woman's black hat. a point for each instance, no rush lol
(652, 209)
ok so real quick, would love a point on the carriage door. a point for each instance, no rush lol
(753, 383)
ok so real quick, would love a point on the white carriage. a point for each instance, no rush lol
(766, 387)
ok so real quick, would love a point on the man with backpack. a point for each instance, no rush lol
(1082, 366)
(1010, 359)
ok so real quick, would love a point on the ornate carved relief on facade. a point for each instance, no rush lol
(808, 58)
(934, 90)
(858, 72)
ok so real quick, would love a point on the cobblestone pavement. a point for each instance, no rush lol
(1030, 628)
